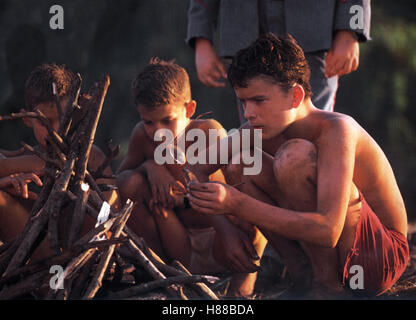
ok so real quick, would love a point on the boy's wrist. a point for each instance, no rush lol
(237, 202)
(202, 43)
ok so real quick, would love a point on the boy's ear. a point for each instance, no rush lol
(298, 95)
(190, 108)
(26, 121)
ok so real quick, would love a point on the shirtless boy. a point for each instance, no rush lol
(162, 95)
(329, 186)
(19, 169)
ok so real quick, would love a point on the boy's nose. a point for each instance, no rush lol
(249, 112)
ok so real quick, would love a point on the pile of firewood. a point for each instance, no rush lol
(110, 253)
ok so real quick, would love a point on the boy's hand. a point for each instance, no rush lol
(161, 183)
(16, 184)
(209, 67)
(213, 197)
(344, 55)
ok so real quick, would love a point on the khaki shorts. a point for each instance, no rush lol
(202, 260)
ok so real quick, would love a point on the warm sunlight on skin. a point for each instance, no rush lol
(51, 113)
(172, 117)
(267, 106)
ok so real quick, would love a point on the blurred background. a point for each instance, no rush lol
(118, 37)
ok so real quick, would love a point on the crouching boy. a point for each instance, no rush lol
(162, 95)
(334, 196)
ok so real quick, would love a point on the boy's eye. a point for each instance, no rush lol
(166, 121)
(148, 123)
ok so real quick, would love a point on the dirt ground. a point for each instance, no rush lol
(273, 280)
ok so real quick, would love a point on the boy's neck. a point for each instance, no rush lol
(301, 126)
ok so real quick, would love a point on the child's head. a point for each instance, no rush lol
(39, 95)
(271, 78)
(279, 58)
(162, 95)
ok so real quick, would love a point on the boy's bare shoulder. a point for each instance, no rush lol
(138, 134)
(334, 124)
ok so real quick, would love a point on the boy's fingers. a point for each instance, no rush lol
(221, 67)
(25, 191)
(336, 67)
(169, 198)
(157, 210)
(37, 180)
(203, 187)
(154, 194)
(177, 186)
(34, 178)
(202, 195)
(162, 198)
(355, 64)
(201, 209)
(161, 211)
(215, 74)
(16, 185)
(200, 202)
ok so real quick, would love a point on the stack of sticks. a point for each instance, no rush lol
(79, 265)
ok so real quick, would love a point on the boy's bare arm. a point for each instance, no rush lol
(21, 164)
(10, 153)
(222, 145)
(336, 159)
(135, 154)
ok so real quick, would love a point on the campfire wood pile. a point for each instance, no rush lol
(108, 254)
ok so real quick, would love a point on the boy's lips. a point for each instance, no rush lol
(256, 126)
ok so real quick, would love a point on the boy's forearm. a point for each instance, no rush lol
(219, 222)
(22, 164)
(312, 227)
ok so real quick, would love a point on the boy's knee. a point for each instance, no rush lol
(296, 157)
(130, 184)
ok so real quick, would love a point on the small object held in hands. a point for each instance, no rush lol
(189, 176)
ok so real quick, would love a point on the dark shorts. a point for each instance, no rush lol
(381, 252)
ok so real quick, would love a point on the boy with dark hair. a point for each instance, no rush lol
(162, 94)
(330, 187)
(19, 169)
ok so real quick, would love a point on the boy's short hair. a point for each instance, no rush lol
(38, 88)
(161, 83)
(280, 58)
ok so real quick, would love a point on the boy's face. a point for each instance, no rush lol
(266, 106)
(50, 111)
(174, 117)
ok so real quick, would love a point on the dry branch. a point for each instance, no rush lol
(146, 287)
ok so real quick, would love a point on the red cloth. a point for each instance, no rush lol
(381, 252)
